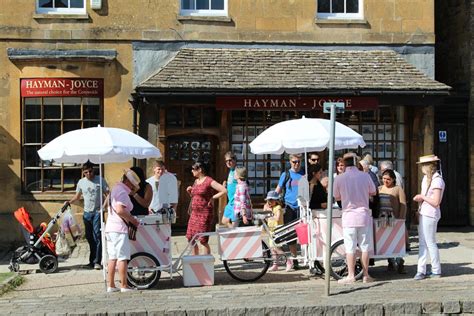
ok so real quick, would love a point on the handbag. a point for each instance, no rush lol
(132, 231)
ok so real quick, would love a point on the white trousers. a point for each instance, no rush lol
(427, 237)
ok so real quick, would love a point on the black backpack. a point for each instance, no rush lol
(283, 187)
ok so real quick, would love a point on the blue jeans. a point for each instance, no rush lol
(92, 227)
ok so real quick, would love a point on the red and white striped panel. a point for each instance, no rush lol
(319, 234)
(198, 273)
(390, 240)
(240, 242)
(155, 240)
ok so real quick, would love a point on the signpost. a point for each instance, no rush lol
(332, 108)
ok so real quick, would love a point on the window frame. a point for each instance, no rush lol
(210, 12)
(341, 16)
(72, 11)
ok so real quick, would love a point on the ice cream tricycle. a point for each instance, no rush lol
(245, 253)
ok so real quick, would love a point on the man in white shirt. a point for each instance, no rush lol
(165, 187)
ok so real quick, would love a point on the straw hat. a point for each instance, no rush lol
(428, 158)
(132, 177)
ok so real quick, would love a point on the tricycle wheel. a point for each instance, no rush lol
(248, 270)
(143, 271)
(339, 263)
(48, 264)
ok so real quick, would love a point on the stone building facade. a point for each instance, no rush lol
(122, 45)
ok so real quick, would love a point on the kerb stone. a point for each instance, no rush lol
(468, 307)
(373, 309)
(353, 310)
(334, 310)
(452, 307)
(431, 307)
(394, 309)
(412, 308)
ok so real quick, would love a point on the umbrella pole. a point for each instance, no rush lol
(102, 233)
(327, 258)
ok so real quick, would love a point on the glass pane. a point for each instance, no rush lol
(217, 4)
(51, 131)
(45, 3)
(174, 117)
(71, 126)
(52, 108)
(193, 117)
(71, 177)
(52, 179)
(60, 3)
(187, 4)
(77, 4)
(31, 157)
(338, 6)
(202, 4)
(87, 124)
(210, 117)
(352, 6)
(32, 132)
(32, 108)
(71, 108)
(33, 180)
(91, 108)
(385, 114)
(323, 6)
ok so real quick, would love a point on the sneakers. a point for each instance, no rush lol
(289, 265)
(88, 266)
(112, 289)
(401, 266)
(127, 289)
(274, 267)
(419, 276)
(434, 275)
(390, 266)
(97, 266)
(346, 281)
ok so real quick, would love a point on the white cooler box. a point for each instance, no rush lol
(198, 270)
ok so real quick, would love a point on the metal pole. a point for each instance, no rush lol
(102, 228)
(327, 259)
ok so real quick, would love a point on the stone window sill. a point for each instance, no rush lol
(185, 18)
(46, 197)
(341, 22)
(80, 17)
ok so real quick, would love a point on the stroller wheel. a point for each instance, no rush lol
(48, 264)
(14, 266)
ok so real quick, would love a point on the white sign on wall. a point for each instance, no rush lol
(443, 136)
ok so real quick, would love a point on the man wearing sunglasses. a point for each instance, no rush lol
(89, 187)
(313, 159)
(288, 188)
(231, 184)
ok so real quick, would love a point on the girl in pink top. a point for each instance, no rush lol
(242, 203)
(432, 189)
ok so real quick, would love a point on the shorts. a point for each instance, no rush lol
(118, 246)
(229, 212)
(290, 215)
(354, 236)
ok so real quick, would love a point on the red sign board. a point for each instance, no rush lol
(269, 103)
(62, 87)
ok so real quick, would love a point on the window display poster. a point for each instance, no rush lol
(260, 187)
(260, 169)
(367, 132)
(237, 149)
(237, 133)
(275, 169)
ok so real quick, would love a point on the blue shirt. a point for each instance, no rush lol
(231, 186)
(291, 192)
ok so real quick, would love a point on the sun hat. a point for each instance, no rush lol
(272, 195)
(428, 158)
(132, 177)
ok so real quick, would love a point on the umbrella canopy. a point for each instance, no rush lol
(99, 145)
(304, 135)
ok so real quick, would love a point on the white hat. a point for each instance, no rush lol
(428, 158)
(132, 177)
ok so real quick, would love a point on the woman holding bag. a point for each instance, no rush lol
(432, 189)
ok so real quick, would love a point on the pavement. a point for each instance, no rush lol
(76, 291)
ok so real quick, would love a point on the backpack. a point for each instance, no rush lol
(283, 187)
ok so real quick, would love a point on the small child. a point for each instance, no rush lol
(242, 203)
(273, 205)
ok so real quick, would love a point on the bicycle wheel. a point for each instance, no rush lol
(248, 270)
(339, 264)
(142, 271)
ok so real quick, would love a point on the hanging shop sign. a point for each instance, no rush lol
(292, 103)
(62, 87)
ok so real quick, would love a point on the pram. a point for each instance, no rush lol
(41, 248)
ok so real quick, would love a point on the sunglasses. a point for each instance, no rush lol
(229, 160)
(314, 159)
(296, 161)
(195, 168)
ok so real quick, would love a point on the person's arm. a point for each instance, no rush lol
(434, 201)
(146, 199)
(277, 214)
(221, 190)
(403, 204)
(75, 198)
(123, 213)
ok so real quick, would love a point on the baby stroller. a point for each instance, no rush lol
(41, 248)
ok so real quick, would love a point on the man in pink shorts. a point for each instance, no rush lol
(353, 188)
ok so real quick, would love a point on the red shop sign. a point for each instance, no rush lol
(62, 87)
(292, 103)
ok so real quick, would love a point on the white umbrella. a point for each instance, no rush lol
(98, 145)
(304, 135)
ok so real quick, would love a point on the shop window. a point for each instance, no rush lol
(45, 118)
(340, 9)
(204, 7)
(192, 117)
(61, 6)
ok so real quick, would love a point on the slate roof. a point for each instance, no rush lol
(311, 71)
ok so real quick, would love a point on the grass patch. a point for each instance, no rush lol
(14, 281)
(6, 275)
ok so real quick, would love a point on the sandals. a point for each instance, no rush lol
(346, 281)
